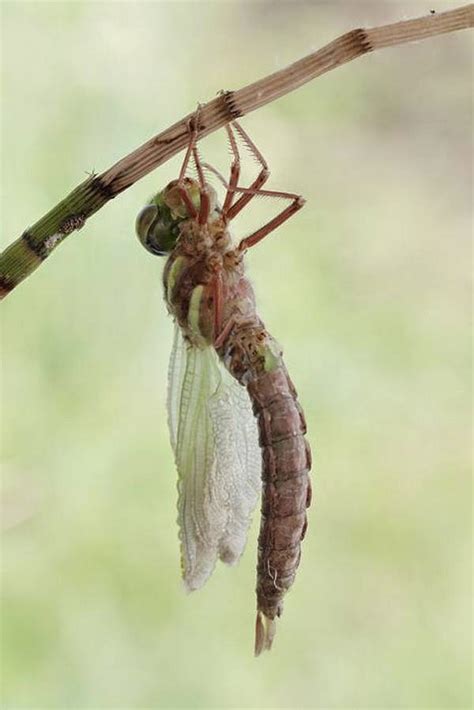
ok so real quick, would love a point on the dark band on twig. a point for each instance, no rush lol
(6, 285)
(230, 103)
(361, 40)
(39, 250)
(103, 189)
(71, 223)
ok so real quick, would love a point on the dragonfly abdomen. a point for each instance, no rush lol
(286, 494)
(255, 359)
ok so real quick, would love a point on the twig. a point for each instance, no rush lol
(22, 257)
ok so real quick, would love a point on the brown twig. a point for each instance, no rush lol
(22, 257)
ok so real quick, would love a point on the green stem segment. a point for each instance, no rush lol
(22, 257)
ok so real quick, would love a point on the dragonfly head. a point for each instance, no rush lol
(158, 223)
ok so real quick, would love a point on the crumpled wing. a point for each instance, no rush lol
(214, 436)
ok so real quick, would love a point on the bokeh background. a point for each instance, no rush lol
(368, 291)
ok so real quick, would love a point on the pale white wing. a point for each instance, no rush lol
(215, 440)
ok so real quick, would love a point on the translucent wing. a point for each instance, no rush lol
(215, 440)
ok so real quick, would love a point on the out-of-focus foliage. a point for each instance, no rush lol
(367, 289)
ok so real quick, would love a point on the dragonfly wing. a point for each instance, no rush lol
(215, 440)
(238, 462)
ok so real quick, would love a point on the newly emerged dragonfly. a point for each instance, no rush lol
(237, 429)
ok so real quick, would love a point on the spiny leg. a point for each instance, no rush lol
(234, 171)
(199, 170)
(228, 211)
(193, 129)
(192, 150)
(205, 202)
(297, 202)
(233, 178)
(260, 180)
(187, 201)
(224, 332)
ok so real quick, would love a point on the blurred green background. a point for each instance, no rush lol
(368, 291)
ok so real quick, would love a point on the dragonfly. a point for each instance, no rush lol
(236, 426)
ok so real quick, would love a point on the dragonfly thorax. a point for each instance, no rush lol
(202, 265)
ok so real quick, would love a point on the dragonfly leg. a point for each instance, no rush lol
(205, 207)
(183, 193)
(198, 164)
(233, 179)
(297, 202)
(245, 199)
(234, 172)
(205, 202)
(260, 180)
(193, 130)
(222, 336)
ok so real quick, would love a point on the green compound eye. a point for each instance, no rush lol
(155, 230)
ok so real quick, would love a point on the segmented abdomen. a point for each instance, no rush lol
(255, 359)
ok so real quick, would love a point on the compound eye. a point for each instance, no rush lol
(149, 230)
